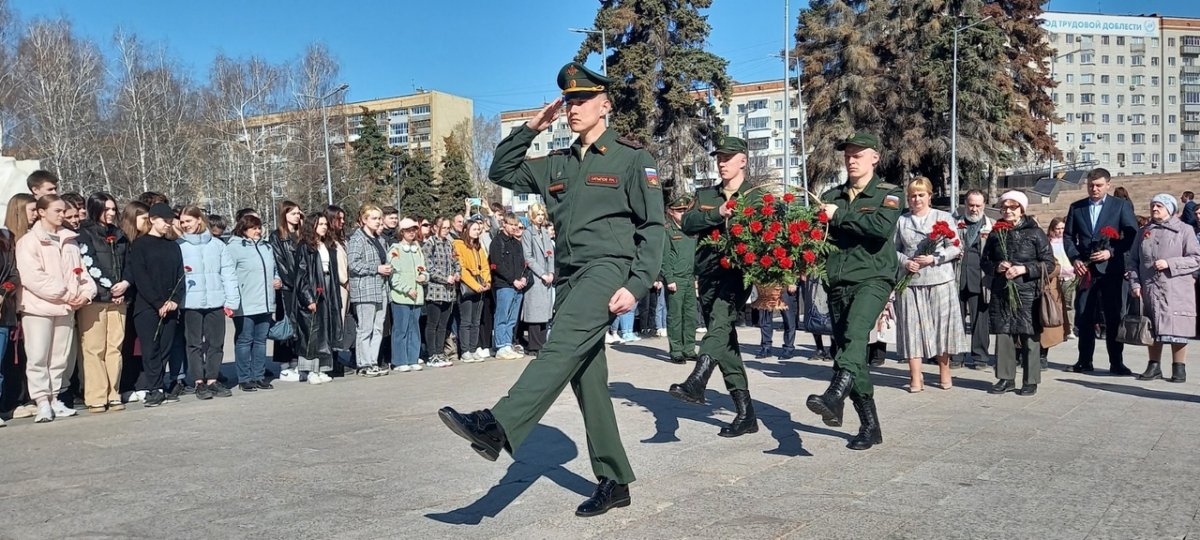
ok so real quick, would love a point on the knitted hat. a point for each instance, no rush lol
(1017, 197)
(1168, 201)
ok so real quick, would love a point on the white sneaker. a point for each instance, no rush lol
(44, 414)
(403, 369)
(314, 378)
(610, 338)
(61, 409)
(289, 375)
(483, 353)
(323, 376)
(468, 358)
(136, 396)
(508, 354)
(417, 367)
(662, 332)
(25, 411)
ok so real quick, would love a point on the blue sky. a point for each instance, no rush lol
(503, 55)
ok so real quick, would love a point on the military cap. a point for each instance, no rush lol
(729, 145)
(682, 202)
(863, 139)
(575, 78)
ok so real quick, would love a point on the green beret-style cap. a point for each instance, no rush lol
(729, 145)
(575, 78)
(863, 139)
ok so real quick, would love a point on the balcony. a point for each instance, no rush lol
(1190, 70)
(1190, 50)
(1137, 48)
(1191, 126)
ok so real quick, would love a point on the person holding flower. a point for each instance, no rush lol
(1016, 257)
(102, 322)
(53, 287)
(441, 291)
(319, 314)
(210, 283)
(407, 281)
(928, 313)
(1098, 235)
(155, 271)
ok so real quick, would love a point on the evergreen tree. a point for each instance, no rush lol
(416, 196)
(657, 64)
(456, 183)
(372, 159)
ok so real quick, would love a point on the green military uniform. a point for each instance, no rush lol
(863, 271)
(606, 203)
(679, 267)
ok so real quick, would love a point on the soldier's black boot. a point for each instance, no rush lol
(609, 494)
(1178, 372)
(480, 428)
(691, 389)
(830, 404)
(745, 421)
(1153, 371)
(869, 432)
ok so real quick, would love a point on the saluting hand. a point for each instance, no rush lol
(546, 116)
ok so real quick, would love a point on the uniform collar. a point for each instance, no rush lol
(868, 189)
(602, 145)
(741, 191)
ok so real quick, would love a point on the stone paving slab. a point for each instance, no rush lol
(1090, 456)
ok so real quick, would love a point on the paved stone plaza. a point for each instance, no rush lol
(1088, 457)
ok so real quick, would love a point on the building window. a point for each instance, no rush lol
(1153, 60)
(1171, 157)
(1104, 59)
(1087, 137)
(1120, 79)
(1154, 158)
(1171, 61)
(757, 123)
(1088, 118)
(779, 145)
(1154, 100)
(1104, 118)
(1171, 120)
(1104, 99)
(779, 124)
(1120, 138)
(1155, 119)
(1120, 119)
(756, 104)
(1120, 60)
(725, 109)
(1139, 157)
(1138, 80)
(1154, 81)
(1191, 98)
(1154, 138)
(1104, 40)
(419, 109)
(1105, 157)
(1087, 99)
(1087, 78)
(1139, 138)
(1154, 42)
(761, 143)
(1137, 99)
(1070, 137)
(1087, 58)
(1120, 40)
(794, 122)
(1170, 81)
(779, 104)
(1104, 79)
(1070, 98)
(1137, 60)
(1171, 138)
(1070, 117)
(1137, 119)
(778, 163)
(1070, 78)
(1121, 158)
(537, 146)
(1170, 42)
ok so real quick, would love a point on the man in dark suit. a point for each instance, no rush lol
(1101, 296)
(973, 228)
(1188, 216)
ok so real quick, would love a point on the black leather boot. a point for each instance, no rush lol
(830, 404)
(691, 389)
(745, 421)
(1003, 386)
(869, 432)
(1153, 371)
(1178, 372)
(480, 428)
(609, 494)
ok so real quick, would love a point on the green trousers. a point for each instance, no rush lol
(720, 300)
(574, 354)
(681, 319)
(854, 310)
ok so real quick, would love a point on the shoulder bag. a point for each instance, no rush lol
(1051, 302)
(1135, 327)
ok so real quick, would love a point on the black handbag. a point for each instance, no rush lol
(1135, 327)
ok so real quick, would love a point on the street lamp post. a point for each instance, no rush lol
(325, 130)
(603, 45)
(1053, 62)
(954, 117)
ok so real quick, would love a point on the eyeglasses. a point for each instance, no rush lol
(1011, 207)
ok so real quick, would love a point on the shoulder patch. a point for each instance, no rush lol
(891, 201)
(652, 177)
(629, 141)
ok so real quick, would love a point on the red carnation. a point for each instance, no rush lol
(421, 269)
(715, 235)
(730, 204)
(768, 198)
(794, 227)
(766, 261)
(756, 227)
(816, 234)
(795, 239)
(957, 243)
(725, 262)
(110, 238)
(786, 263)
(775, 227)
(788, 198)
(187, 269)
(1144, 235)
(823, 217)
(749, 211)
(768, 237)
(741, 249)
(768, 210)
(8, 286)
(779, 252)
(803, 226)
(320, 291)
(1001, 226)
(737, 229)
(809, 256)
(549, 252)
(492, 266)
(77, 271)
(1110, 233)
(749, 258)
(962, 224)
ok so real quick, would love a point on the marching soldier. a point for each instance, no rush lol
(862, 224)
(604, 197)
(722, 292)
(679, 275)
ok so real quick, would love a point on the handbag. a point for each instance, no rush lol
(1051, 302)
(816, 309)
(282, 330)
(1135, 327)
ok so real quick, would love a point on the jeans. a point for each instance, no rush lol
(250, 345)
(508, 307)
(470, 310)
(766, 323)
(369, 333)
(406, 334)
(660, 315)
(622, 325)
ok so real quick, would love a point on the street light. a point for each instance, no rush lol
(603, 45)
(954, 118)
(325, 129)
(1050, 171)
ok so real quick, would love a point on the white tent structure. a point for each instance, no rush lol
(13, 173)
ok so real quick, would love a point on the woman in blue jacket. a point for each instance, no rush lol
(208, 282)
(253, 301)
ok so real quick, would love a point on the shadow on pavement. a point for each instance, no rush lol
(553, 450)
(1135, 390)
(653, 353)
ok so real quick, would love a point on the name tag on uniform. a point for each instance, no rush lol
(557, 187)
(602, 180)
(706, 207)
(867, 209)
(676, 238)
(891, 201)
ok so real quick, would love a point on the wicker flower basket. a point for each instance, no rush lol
(770, 298)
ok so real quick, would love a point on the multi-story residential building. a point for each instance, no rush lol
(1127, 87)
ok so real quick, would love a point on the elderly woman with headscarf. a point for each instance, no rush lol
(1016, 256)
(1164, 258)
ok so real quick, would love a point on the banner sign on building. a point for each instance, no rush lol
(1102, 25)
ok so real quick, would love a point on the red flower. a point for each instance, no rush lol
(549, 252)
(768, 237)
(803, 226)
(492, 266)
(715, 235)
(187, 269)
(795, 239)
(779, 252)
(816, 234)
(1110, 233)
(823, 217)
(786, 263)
(768, 198)
(737, 229)
(8, 286)
(768, 210)
(962, 224)
(725, 262)
(809, 257)
(731, 203)
(741, 248)
(788, 198)
(957, 243)
(1002, 226)
(1144, 235)
(320, 291)
(749, 211)
(110, 238)
(77, 271)
(420, 269)
(766, 261)
(775, 227)
(749, 258)
(756, 227)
